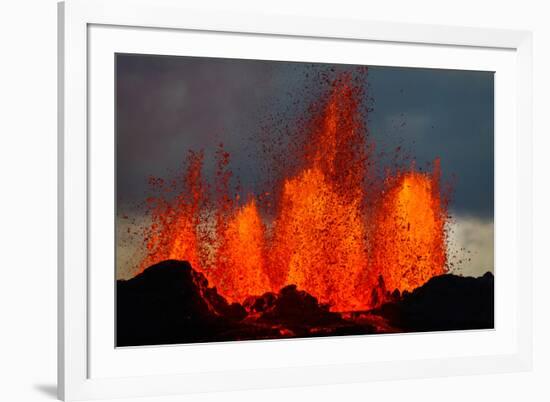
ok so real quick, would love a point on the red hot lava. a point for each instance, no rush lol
(334, 232)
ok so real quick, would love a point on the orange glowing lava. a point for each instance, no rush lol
(240, 271)
(319, 234)
(174, 231)
(330, 231)
(409, 241)
(319, 238)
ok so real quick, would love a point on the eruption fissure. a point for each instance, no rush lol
(334, 230)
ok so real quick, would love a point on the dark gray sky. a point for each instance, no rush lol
(168, 105)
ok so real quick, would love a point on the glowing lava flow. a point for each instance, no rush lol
(322, 237)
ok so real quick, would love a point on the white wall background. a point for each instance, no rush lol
(28, 199)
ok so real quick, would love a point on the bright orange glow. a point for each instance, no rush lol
(240, 270)
(409, 242)
(319, 234)
(319, 238)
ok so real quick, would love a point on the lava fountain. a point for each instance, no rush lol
(319, 234)
(333, 231)
(408, 246)
(241, 270)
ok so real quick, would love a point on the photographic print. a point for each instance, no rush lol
(271, 199)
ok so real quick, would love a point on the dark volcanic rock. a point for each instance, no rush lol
(171, 303)
(259, 304)
(298, 308)
(296, 313)
(446, 302)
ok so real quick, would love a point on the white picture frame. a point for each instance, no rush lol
(76, 348)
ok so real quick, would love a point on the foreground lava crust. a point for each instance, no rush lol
(332, 246)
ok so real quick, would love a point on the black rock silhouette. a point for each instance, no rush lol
(298, 308)
(446, 302)
(171, 303)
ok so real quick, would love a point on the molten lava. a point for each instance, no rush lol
(319, 234)
(241, 268)
(175, 223)
(409, 238)
(319, 239)
(331, 231)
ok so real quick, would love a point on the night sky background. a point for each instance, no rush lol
(166, 105)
